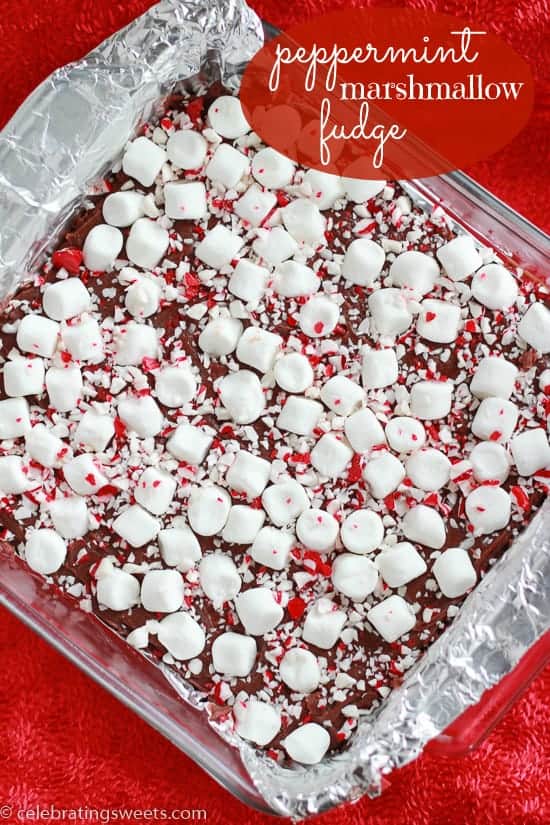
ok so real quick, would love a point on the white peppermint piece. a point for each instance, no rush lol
(141, 415)
(134, 342)
(38, 335)
(494, 376)
(292, 279)
(272, 547)
(274, 245)
(220, 336)
(438, 321)
(136, 526)
(293, 372)
(142, 298)
(248, 474)
(162, 591)
(227, 118)
(415, 271)
(179, 547)
(147, 243)
(258, 348)
(454, 572)
(258, 610)
(143, 160)
(185, 201)
(23, 376)
(189, 443)
(326, 189)
(424, 525)
(430, 400)
(155, 490)
(364, 431)
(117, 590)
(459, 257)
(234, 654)
(256, 721)
(323, 624)
(319, 316)
(84, 474)
(354, 575)
(272, 169)
(95, 431)
(488, 509)
(331, 455)
(186, 149)
(45, 551)
(219, 578)
(494, 287)
(243, 524)
(317, 530)
(284, 502)
(83, 340)
(304, 222)
(363, 262)
(255, 205)
(534, 327)
(122, 209)
(66, 299)
(389, 310)
(102, 247)
(307, 744)
(400, 564)
(175, 386)
(531, 451)
(392, 618)
(43, 446)
(383, 473)
(379, 368)
(227, 166)
(495, 419)
(405, 434)
(300, 671)
(13, 479)
(208, 509)
(490, 462)
(182, 636)
(429, 469)
(342, 395)
(362, 532)
(248, 281)
(65, 387)
(359, 190)
(242, 395)
(218, 247)
(14, 418)
(69, 516)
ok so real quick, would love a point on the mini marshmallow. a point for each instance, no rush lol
(43, 446)
(143, 160)
(102, 247)
(69, 516)
(284, 502)
(534, 327)
(182, 636)
(255, 205)
(488, 509)
(424, 525)
(186, 149)
(392, 618)
(155, 490)
(304, 222)
(317, 530)
(117, 590)
(227, 118)
(227, 166)
(360, 191)
(248, 474)
(141, 415)
(272, 169)
(331, 455)
(256, 721)
(272, 547)
(274, 245)
(219, 578)
(494, 377)
(531, 451)
(248, 281)
(490, 462)
(494, 287)
(438, 321)
(146, 243)
(355, 576)
(24, 376)
(363, 262)
(307, 744)
(431, 399)
(495, 419)
(175, 386)
(45, 551)
(459, 257)
(405, 434)
(384, 473)
(415, 271)
(293, 372)
(454, 572)
(94, 431)
(258, 348)
(258, 611)
(13, 479)
(323, 624)
(242, 396)
(362, 532)
(429, 469)
(379, 368)
(84, 474)
(208, 509)
(319, 316)
(83, 340)
(123, 209)
(66, 299)
(218, 247)
(400, 564)
(234, 654)
(38, 335)
(64, 386)
(220, 337)
(364, 431)
(389, 311)
(179, 547)
(189, 443)
(325, 189)
(292, 279)
(142, 298)
(243, 524)
(299, 669)
(341, 395)
(185, 201)
(14, 418)
(162, 591)
(137, 527)
(134, 342)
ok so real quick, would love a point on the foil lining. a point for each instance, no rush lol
(66, 134)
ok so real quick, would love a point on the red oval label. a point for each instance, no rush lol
(387, 93)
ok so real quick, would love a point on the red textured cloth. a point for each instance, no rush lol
(65, 742)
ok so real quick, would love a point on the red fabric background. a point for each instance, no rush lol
(65, 742)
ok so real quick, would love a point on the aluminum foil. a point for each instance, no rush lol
(68, 132)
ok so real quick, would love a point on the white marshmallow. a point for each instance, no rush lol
(134, 342)
(83, 340)
(292, 279)
(429, 469)
(355, 576)
(325, 189)
(359, 190)
(117, 590)
(38, 335)
(489, 462)
(24, 376)
(362, 532)
(438, 321)
(84, 474)
(175, 386)
(304, 222)
(283, 502)
(136, 526)
(45, 551)
(220, 337)
(454, 572)
(256, 721)
(248, 281)
(392, 618)
(274, 245)
(143, 160)
(431, 399)
(405, 434)
(179, 547)
(384, 473)
(307, 744)
(69, 516)
(234, 654)
(146, 243)
(400, 564)
(227, 118)
(495, 419)
(208, 509)
(66, 299)
(43, 446)
(155, 491)
(331, 455)
(531, 451)
(13, 479)
(363, 262)
(243, 524)
(123, 209)
(319, 316)
(364, 431)
(218, 247)
(272, 169)
(317, 530)
(248, 474)
(64, 386)
(14, 418)
(323, 624)
(242, 396)
(271, 548)
(379, 368)
(425, 526)
(182, 636)
(186, 149)
(219, 578)
(389, 311)
(459, 257)
(258, 610)
(299, 669)
(488, 509)
(189, 443)
(494, 377)
(141, 415)
(342, 395)
(185, 201)
(255, 205)
(227, 166)
(293, 372)
(494, 287)
(102, 247)
(94, 431)
(415, 271)
(162, 591)
(534, 327)
(258, 348)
